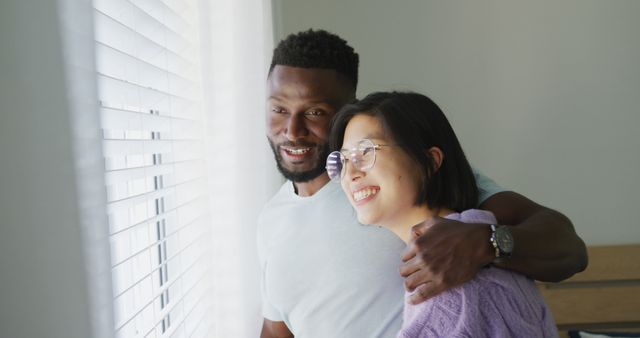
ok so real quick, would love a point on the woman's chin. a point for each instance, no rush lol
(367, 219)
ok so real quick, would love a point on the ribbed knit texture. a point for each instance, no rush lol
(497, 303)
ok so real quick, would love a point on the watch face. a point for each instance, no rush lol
(504, 239)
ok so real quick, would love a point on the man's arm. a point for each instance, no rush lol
(271, 329)
(449, 253)
(547, 247)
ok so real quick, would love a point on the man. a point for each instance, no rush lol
(325, 275)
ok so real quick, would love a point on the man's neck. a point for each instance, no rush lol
(309, 188)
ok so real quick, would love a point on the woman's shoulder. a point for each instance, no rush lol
(491, 302)
(490, 285)
(473, 216)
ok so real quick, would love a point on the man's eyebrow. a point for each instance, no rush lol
(307, 101)
(319, 103)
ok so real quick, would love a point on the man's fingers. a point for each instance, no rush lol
(420, 228)
(409, 252)
(420, 241)
(417, 278)
(411, 266)
(424, 292)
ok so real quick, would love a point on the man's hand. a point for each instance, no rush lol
(443, 254)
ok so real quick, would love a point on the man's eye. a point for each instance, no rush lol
(277, 110)
(315, 113)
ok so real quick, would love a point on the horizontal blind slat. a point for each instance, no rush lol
(127, 282)
(131, 16)
(174, 18)
(135, 85)
(113, 33)
(124, 184)
(145, 235)
(121, 322)
(194, 289)
(115, 148)
(125, 95)
(106, 109)
(141, 209)
(118, 63)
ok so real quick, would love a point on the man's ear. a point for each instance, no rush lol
(438, 156)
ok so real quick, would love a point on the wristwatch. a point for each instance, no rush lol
(501, 240)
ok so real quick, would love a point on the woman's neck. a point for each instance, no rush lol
(402, 225)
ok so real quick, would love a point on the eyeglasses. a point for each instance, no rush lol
(362, 157)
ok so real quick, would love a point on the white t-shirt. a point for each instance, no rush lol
(326, 275)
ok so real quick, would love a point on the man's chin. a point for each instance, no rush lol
(299, 172)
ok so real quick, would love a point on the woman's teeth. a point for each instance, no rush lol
(364, 193)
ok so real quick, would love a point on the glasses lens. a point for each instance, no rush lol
(366, 154)
(334, 164)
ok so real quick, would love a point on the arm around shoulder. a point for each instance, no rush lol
(546, 246)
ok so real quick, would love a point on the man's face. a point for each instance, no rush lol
(301, 103)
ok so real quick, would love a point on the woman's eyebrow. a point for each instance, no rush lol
(372, 137)
(376, 136)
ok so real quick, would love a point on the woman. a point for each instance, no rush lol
(400, 163)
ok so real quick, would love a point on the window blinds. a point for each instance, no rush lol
(147, 60)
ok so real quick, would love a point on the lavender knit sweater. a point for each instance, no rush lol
(496, 303)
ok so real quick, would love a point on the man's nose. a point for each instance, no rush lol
(296, 128)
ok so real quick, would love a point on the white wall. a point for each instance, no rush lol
(542, 94)
(45, 284)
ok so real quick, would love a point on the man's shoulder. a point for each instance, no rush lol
(284, 192)
(269, 210)
(279, 198)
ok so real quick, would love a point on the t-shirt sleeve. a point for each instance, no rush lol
(486, 186)
(268, 310)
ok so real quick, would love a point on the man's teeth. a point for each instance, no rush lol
(298, 151)
(364, 193)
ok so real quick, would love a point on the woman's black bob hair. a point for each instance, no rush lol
(415, 123)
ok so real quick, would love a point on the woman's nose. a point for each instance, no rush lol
(352, 172)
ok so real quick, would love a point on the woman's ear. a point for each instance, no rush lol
(438, 156)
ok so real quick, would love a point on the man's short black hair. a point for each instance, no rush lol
(416, 124)
(317, 49)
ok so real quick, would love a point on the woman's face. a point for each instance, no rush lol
(386, 193)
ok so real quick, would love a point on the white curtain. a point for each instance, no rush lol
(77, 29)
(242, 173)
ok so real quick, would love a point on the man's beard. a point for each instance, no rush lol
(322, 151)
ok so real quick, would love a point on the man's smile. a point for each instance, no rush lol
(296, 154)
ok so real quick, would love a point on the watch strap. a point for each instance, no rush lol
(494, 240)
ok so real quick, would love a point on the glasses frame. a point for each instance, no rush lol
(352, 153)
